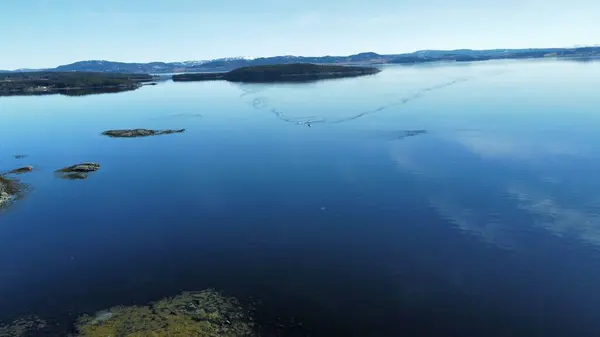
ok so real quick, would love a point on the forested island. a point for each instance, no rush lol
(68, 83)
(296, 72)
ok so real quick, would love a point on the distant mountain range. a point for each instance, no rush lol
(228, 64)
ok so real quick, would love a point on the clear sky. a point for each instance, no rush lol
(47, 33)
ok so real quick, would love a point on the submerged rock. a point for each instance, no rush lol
(25, 326)
(74, 176)
(183, 115)
(132, 133)
(83, 167)
(205, 313)
(409, 133)
(20, 156)
(21, 170)
(78, 171)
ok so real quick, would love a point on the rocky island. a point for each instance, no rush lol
(68, 83)
(78, 171)
(296, 72)
(133, 133)
(21, 170)
(203, 313)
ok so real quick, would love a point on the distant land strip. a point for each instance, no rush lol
(369, 58)
(68, 83)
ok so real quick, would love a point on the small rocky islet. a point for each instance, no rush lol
(21, 170)
(78, 171)
(135, 133)
(11, 188)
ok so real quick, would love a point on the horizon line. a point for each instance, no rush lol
(291, 55)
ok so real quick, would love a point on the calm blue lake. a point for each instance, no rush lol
(430, 200)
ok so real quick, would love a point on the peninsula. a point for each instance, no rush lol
(295, 72)
(68, 83)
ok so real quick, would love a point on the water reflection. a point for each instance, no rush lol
(580, 59)
(473, 221)
(528, 187)
(525, 148)
(561, 219)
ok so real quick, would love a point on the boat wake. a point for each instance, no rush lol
(262, 103)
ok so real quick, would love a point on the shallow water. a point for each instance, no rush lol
(311, 199)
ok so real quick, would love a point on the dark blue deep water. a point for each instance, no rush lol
(315, 201)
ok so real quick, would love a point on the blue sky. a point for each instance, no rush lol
(41, 33)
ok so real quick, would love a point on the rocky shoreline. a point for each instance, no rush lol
(10, 189)
(195, 313)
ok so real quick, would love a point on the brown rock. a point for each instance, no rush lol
(21, 170)
(83, 167)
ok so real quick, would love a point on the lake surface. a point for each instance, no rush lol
(315, 200)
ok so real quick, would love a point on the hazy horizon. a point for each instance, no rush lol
(183, 30)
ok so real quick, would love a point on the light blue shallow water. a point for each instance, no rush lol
(488, 224)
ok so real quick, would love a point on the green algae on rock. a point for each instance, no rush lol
(205, 314)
